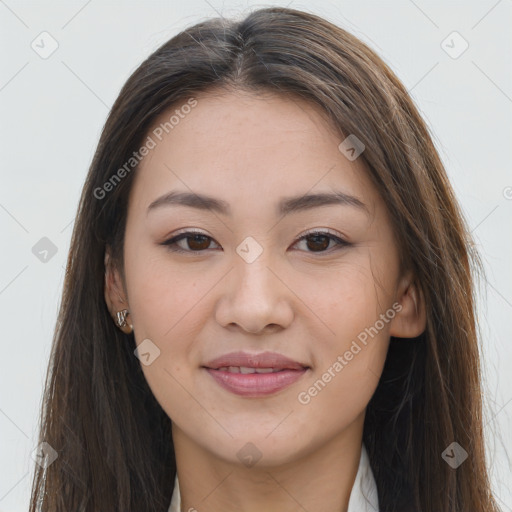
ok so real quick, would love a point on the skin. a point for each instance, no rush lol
(307, 300)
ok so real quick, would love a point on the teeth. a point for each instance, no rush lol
(245, 369)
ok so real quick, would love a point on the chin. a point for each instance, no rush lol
(259, 449)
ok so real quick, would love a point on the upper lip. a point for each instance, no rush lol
(261, 360)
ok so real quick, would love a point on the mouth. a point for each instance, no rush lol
(251, 375)
(254, 383)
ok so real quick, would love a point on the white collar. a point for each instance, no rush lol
(363, 496)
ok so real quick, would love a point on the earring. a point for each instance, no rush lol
(121, 321)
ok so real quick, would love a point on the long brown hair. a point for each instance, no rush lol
(113, 439)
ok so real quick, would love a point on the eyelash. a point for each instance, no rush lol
(171, 242)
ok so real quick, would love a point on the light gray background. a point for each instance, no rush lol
(52, 111)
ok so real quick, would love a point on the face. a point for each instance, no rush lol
(261, 269)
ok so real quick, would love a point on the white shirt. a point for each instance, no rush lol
(363, 496)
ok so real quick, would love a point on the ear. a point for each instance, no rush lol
(115, 295)
(411, 319)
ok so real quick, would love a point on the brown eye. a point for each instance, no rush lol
(189, 242)
(319, 241)
(198, 242)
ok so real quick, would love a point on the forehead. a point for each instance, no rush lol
(243, 146)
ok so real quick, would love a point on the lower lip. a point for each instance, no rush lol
(255, 384)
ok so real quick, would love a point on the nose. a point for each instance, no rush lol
(255, 297)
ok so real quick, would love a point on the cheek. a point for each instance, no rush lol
(167, 310)
(165, 300)
(346, 300)
(354, 313)
(347, 367)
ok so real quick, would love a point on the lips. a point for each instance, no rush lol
(255, 375)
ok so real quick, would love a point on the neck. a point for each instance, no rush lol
(321, 479)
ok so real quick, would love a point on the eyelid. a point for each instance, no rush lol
(322, 231)
(311, 231)
(189, 230)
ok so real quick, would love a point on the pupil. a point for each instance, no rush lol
(316, 238)
(198, 239)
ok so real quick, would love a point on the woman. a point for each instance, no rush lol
(269, 299)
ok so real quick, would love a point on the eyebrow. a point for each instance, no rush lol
(285, 206)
